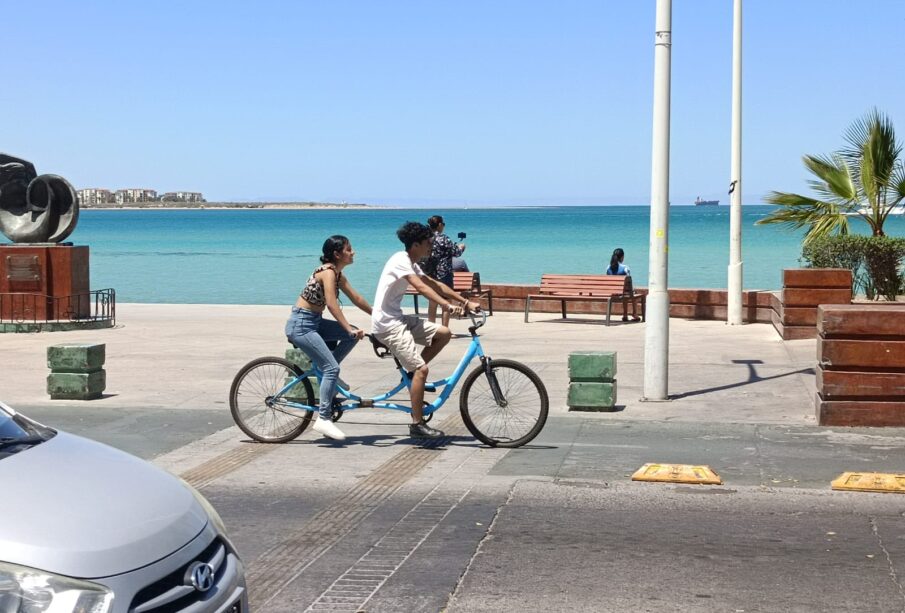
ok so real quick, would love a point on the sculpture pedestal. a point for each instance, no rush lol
(40, 282)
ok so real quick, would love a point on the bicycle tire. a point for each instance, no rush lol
(249, 401)
(528, 405)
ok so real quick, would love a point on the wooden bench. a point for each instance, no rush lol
(466, 283)
(588, 288)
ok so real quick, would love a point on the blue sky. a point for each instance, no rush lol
(391, 102)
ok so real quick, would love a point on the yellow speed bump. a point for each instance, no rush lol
(677, 473)
(870, 482)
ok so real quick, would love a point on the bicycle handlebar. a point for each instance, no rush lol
(473, 315)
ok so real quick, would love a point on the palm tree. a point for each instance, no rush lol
(867, 178)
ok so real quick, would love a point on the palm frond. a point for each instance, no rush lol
(835, 177)
(897, 184)
(872, 142)
(797, 211)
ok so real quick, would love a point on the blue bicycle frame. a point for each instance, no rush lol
(382, 401)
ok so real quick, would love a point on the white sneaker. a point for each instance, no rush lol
(328, 429)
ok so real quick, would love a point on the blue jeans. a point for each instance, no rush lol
(310, 332)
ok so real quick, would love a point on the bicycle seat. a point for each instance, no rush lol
(380, 350)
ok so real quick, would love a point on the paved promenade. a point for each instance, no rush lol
(382, 524)
(182, 356)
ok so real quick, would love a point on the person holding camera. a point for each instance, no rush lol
(440, 262)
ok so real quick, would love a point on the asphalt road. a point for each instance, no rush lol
(381, 524)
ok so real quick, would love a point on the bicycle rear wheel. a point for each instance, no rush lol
(252, 404)
(519, 415)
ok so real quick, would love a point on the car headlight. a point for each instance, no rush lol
(27, 590)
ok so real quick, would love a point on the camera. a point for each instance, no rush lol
(461, 236)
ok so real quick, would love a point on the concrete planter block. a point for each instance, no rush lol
(597, 366)
(76, 358)
(298, 357)
(591, 396)
(297, 393)
(76, 386)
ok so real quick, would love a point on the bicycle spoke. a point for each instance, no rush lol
(251, 401)
(519, 415)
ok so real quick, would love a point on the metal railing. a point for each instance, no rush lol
(24, 308)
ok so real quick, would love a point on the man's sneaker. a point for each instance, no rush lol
(422, 430)
(328, 429)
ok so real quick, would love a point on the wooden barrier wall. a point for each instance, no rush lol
(803, 289)
(861, 365)
(684, 303)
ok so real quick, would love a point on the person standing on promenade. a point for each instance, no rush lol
(443, 250)
(403, 333)
(617, 267)
(309, 331)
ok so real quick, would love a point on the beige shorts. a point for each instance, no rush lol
(403, 340)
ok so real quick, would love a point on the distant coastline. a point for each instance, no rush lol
(183, 206)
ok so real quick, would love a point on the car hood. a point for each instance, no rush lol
(78, 508)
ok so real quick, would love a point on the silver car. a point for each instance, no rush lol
(85, 528)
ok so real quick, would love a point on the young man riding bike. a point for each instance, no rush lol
(403, 333)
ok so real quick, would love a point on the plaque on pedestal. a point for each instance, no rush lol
(47, 281)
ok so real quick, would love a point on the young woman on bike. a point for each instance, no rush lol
(309, 331)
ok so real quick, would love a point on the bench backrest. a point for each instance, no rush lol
(466, 281)
(585, 285)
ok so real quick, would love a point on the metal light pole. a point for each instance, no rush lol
(656, 337)
(734, 310)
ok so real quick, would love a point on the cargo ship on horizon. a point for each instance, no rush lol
(699, 202)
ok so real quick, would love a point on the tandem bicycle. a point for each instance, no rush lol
(503, 402)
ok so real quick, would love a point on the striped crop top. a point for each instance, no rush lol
(313, 292)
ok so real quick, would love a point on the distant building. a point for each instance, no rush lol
(128, 196)
(95, 196)
(182, 197)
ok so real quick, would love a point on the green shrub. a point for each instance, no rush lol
(875, 261)
(883, 258)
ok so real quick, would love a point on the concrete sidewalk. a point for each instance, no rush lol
(178, 356)
(174, 357)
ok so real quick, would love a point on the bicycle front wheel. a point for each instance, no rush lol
(513, 418)
(254, 407)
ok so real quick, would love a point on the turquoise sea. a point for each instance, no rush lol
(259, 256)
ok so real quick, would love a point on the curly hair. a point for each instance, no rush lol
(413, 232)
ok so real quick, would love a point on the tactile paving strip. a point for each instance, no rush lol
(352, 590)
(208, 472)
(279, 566)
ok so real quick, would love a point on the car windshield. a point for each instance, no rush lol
(18, 433)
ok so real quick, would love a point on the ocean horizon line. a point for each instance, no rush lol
(291, 206)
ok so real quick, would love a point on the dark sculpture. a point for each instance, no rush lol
(35, 209)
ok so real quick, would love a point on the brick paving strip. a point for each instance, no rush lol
(211, 470)
(355, 587)
(281, 565)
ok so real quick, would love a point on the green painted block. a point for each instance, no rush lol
(599, 366)
(76, 385)
(299, 358)
(76, 358)
(592, 396)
